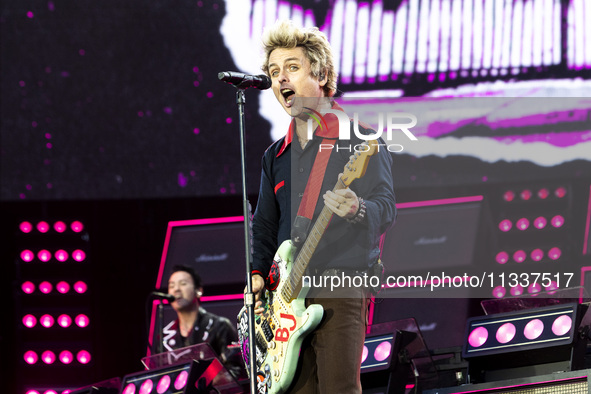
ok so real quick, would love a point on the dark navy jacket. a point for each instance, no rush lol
(286, 168)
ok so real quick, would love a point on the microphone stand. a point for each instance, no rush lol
(249, 296)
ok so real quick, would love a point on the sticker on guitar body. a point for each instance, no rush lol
(282, 334)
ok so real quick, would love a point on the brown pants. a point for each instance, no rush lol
(330, 358)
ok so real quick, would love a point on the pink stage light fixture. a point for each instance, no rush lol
(525, 194)
(509, 196)
(29, 321)
(46, 321)
(79, 255)
(537, 254)
(28, 287)
(43, 227)
(80, 287)
(502, 257)
(562, 325)
(48, 357)
(505, 225)
(66, 357)
(478, 337)
(82, 321)
(560, 192)
(516, 290)
(383, 351)
(64, 321)
(26, 227)
(557, 221)
(554, 253)
(62, 287)
(60, 226)
(27, 256)
(540, 222)
(519, 256)
(364, 354)
(499, 292)
(543, 193)
(163, 384)
(129, 389)
(32, 392)
(83, 357)
(534, 288)
(506, 333)
(77, 226)
(533, 329)
(44, 255)
(522, 224)
(181, 380)
(31, 357)
(61, 255)
(146, 387)
(45, 287)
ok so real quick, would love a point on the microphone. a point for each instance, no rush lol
(163, 296)
(243, 81)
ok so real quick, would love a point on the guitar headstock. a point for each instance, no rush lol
(358, 162)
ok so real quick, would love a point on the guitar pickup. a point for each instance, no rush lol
(267, 330)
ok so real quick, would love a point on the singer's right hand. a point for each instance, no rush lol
(258, 286)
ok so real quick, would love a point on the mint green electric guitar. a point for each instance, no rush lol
(286, 321)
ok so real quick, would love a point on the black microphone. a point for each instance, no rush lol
(243, 81)
(163, 296)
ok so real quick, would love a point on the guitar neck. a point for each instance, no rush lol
(308, 248)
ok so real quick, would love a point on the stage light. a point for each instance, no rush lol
(44, 255)
(82, 321)
(62, 287)
(26, 227)
(77, 226)
(83, 357)
(537, 254)
(46, 321)
(43, 227)
(64, 321)
(543, 193)
(32, 392)
(522, 224)
(554, 253)
(509, 196)
(519, 256)
(525, 194)
(502, 257)
(28, 287)
(187, 378)
(48, 357)
(50, 392)
(61, 255)
(557, 221)
(505, 225)
(163, 384)
(80, 287)
(60, 226)
(516, 290)
(540, 222)
(499, 292)
(27, 255)
(31, 357)
(534, 288)
(66, 357)
(525, 343)
(560, 192)
(45, 287)
(29, 321)
(78, 255)
(146, 387)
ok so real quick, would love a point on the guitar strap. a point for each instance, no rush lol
(307, 206)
